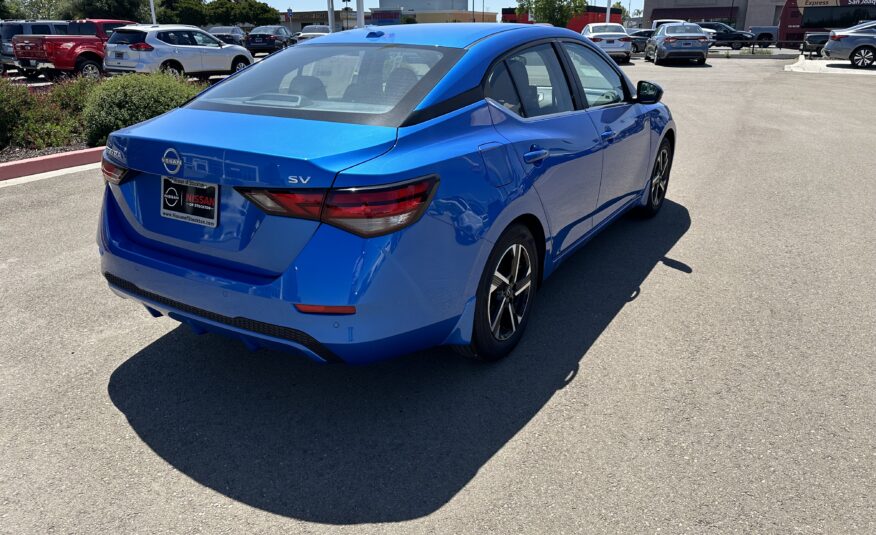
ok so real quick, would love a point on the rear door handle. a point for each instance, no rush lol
(536, 155)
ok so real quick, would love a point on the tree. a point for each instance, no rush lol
(105, 9)
(222, 12)
(556, 12)
(256, 12)
(625, 15)
(637, 13)
(192, 12)
(37, 9)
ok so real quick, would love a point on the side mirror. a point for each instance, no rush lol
(648, 92)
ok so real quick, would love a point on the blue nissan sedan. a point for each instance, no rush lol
(382, 190)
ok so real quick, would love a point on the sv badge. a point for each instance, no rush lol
(296, 179)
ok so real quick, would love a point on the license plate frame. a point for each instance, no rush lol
(119, 55)
(190, 201)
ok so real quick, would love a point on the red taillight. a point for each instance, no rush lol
(596, 39)
(326, 309)
(702, 39)
(670, 40)
(111, 172)
(272, 38)
(362, 211)
(142, 47)
(836, 37)
(625, 39)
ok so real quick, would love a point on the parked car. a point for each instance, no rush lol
(813, 42)
(710, 34)
(640, 39)
(268, 39)
(447, 171)
(765, 35)
(856, 44)
(231, 35)
(728, 36)
(173, 48)
(80, 52)
(11, 28)
(311, 32)
(612, 38)
(678, 41)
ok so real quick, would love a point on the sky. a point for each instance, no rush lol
(491, 5)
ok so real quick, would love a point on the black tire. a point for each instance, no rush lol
(863, 57)
(736, 45)
(238, 65)
(700, 61)
(174, 68)
(657, 193)
(30, 75)
(497, 325)
(763, 44)
(657, 60)
(88, 68)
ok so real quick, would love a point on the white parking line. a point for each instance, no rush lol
(50, 174)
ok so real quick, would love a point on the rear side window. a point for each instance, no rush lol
(177, 38)
(10, 30)
(366, 84)
(601, 84)
(126, 37)
(40, 29)
(82, 28)
(540, 81)
(501, 89)
(60, 29)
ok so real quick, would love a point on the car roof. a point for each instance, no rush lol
(150, 27)
(437, 34)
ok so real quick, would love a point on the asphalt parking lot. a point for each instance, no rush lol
(712, 369)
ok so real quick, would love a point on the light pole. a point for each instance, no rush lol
(152, 9)
(607, 10)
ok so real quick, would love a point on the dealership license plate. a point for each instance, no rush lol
(120, 55)
(610, 41)
(256, 40)
(686, 43)
(190, 201)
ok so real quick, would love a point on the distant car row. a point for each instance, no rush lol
(93, 46)
(668, 40)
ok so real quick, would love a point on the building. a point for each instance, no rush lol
(590, 15)
(344, 19)
(740, 14)
(400, 11)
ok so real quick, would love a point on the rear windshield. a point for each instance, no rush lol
(126, 37)
(677, 29)
(315, 29)
(221, 29)
(608, 28)
(264, 29)
(361, 83)
(10, 30)
(82, 28)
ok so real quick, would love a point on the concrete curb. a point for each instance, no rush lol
(52, 162)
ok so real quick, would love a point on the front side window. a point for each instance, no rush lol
(202, 39)
(540, 81)
(601, 84)
(370, 84)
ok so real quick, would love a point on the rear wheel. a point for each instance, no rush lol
(736, 45)
(88, 68)
(171, 67)
(863, 57)
(700, 61)
(506, 295)
(659, 180)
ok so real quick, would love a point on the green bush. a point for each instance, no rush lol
(15, 101)
(72, 94)
(130, 99)
(44, 125)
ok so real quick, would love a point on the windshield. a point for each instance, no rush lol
(677, 29)
(264, 29)
(221, 29)
(361, 83)
(608, 28)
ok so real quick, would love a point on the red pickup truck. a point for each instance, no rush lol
(81, 51)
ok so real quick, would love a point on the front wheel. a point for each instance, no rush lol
(736, 45)
(506, 295)
(659, 180)
(238, 65)
(863, 57)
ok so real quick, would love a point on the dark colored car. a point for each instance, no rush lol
(640, 39)
(11, 28)
(268, 39)
(814, 42)
(231, 35)
(727, 36)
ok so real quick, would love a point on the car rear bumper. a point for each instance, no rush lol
(396, 312)
(265, 47)
(664, 53)
(836, 50)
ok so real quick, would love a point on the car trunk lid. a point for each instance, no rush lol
(217, 153)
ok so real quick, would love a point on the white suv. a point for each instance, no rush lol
(172, 48)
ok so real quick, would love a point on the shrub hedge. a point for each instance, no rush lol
(130, 99)
(83, 109)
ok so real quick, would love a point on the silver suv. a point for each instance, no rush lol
(172, 48)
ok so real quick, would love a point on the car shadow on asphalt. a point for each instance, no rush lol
(381, 443)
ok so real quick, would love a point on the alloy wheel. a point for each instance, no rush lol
(510, 291)
(863, 57)
(90, 70)
(660, 178)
